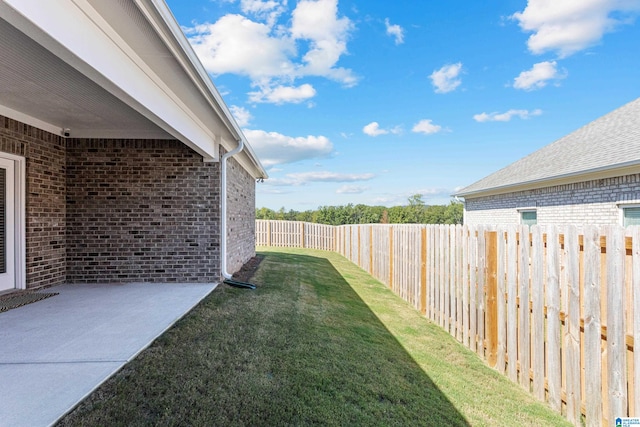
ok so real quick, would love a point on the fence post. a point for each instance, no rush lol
(423, 271)
(371, 250)
(359, 247)
(269, 233)
(390, 257)
(302, 244)
(491, 284)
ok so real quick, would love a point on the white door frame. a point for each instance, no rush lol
(19, 219)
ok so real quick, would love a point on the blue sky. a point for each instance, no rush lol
(372, 101)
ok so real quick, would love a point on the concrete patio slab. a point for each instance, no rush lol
(55, 352)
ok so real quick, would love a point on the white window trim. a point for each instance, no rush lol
(526, 209)
(20, 219)
(625, 205)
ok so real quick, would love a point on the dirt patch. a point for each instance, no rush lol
(247, 271)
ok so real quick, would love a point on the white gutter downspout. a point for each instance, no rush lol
(223, 208)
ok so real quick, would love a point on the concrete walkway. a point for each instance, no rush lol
(55, 352)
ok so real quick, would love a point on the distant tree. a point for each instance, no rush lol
(265, 213)
(398, 215)
(454, 213)
(415, 212)
(385, 217)
(306, 216)
(434, 214)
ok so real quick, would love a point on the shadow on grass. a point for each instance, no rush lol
(349, 364)
(301, 349)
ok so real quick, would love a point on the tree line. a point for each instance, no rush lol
(415, 212)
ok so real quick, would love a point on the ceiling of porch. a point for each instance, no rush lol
(36, 83)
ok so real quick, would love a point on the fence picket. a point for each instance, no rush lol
(480, 298)
(473, 293)
(572, 335)
(616, 347)
(636, 312)
(554, 363)
(512, 305)
(524, 335)
(501, 303)
(537, 323)
(592, 327)
(465, 286)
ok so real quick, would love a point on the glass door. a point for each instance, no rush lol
(7, 225)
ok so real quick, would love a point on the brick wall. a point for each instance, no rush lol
(45, 199)
(589, 202)
(241, 218)
(141, 211)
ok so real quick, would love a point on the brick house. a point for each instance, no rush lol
(591, 176)
(112, 150)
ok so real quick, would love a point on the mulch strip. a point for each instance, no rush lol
(248, 269)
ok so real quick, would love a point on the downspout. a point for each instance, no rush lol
(227, 278)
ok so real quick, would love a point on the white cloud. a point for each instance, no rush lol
(238, 45)
(446, 78)
(538, 76)
(275, 55)
(569, 26)
(264, 9)
(304, 178)
(242, 115)
(426, 127)
(326, 176)
(401, 199)
(283, 94)
(505, 117)
(395, 31)
(373, 129)
(274, 148)
(318, 22)
(351, 189)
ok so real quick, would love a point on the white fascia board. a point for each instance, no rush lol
(199, 74)
(77, 34)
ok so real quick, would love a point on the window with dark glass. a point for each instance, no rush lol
(529, 217)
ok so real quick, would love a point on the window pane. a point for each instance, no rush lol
(529, 217)
(631, 216)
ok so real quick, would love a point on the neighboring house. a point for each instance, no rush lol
(591, 176)
(111, 140)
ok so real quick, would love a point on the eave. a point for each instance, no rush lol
(572, 178)
(130, 53)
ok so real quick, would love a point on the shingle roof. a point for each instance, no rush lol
(610, 142)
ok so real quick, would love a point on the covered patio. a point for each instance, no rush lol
(55, 352)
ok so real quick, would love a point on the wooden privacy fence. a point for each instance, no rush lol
(554, 308)
(295, 234)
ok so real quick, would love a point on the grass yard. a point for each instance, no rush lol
(319, 342)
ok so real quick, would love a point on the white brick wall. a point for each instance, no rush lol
(589, 202)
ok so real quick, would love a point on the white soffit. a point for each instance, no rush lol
(100, 69)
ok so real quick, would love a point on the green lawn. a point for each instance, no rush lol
(319, 342)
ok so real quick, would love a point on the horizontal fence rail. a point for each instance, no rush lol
(554, 308)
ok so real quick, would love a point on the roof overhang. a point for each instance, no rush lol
(582, 176)
(111, 69)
